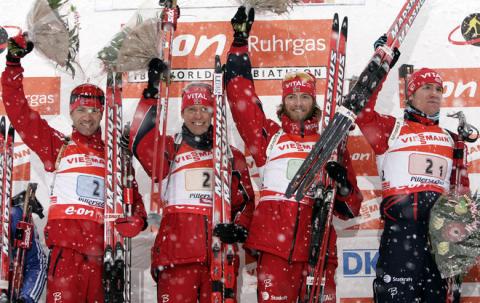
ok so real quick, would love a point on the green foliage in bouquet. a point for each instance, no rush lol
(135, 45)
(454, 234)
(109, 54)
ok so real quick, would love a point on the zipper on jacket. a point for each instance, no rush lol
(206, 240)
(295, 230)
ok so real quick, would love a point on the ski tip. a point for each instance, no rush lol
(2, 126)
(299, 196)
(336, 22)
(288, 193)
(345, 26)
(218, 64)
(118, 78)
(110, 78)
(11, 131)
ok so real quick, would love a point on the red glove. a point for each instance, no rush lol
(129, 226)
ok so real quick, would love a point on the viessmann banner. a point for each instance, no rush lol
(276, 47)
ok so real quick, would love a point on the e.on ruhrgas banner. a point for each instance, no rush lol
(42, 93)
(276, 47)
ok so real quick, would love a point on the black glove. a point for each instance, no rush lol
(381, 41)
(230, 233)
(396, 55)
(242, 25)
(339, 173)
(18, 47)
(156, 68)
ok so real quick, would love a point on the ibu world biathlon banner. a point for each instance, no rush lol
(443, 37)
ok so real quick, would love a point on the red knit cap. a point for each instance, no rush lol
(421, 77)
(197, 94)
(88, 95)
(298, 82)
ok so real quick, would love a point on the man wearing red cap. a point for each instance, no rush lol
(281, 228)
(182, 250)
(74, 231)
(414, 159)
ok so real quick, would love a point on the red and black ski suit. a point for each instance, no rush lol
(413, 154)
(280, 227)
(74, 232)
(181, 253)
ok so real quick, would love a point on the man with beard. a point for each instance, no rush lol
(281, 228)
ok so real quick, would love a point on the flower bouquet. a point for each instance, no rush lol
(454, 234)
(136, 43)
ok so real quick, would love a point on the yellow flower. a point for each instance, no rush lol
(437, 222)
(461, 208)
(442, 248)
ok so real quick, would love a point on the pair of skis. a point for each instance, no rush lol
(117, 250)
(222, 254)
(167, 27)
(23, 240)
(324, 187)
(6, 172)
(375, 71)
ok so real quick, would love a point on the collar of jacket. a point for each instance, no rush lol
(419, 118)
(93, 141)
(202, 142)
(300, 128)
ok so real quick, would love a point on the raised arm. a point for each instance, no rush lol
(252, 124)
(34, 131)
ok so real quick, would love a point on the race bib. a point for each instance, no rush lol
(292, 167)
(198, 180)
(90, 187)
(427, 165)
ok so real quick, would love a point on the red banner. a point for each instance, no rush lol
(42, 93)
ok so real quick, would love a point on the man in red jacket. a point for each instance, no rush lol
(182, 250)
(74, 230)
(414, 159)
(281, 227)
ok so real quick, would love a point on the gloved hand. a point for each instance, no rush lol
(242, 25)
(230, 233)
(396, 55)
(339, 173)
(129, 227)
(381, 41)
(18, 47)
(156, 68)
